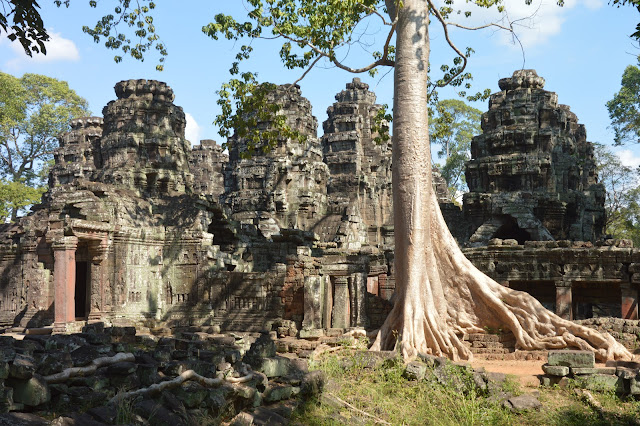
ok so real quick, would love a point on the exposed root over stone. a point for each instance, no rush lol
(90, 369)
(450, 297)
(185, 376)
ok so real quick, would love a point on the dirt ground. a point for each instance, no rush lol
(526, 371)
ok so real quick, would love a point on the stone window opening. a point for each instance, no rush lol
(511, 230)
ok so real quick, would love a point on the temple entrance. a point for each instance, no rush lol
(81, 290)
(596, 299)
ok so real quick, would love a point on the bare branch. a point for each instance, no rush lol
(313, 64)
(445, 28)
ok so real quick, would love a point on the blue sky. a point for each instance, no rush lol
(580, 49)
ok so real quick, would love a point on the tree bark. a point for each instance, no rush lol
(440, 295)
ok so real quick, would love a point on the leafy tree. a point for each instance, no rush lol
(22, 22)
(633, 3)
(452, 125)
(440, 295)
(15, 196)
(622, 202)
(624, 108)
(34, 110)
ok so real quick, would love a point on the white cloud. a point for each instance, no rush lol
(533, 24)
(58, 49)
(193, 130)
(629, 158)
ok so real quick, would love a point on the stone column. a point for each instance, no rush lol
(64, 278)
(360, 289)
(564, 300)
(328, 301)
(98, 252)
(313, 302)
(629, 303)
(341, 303)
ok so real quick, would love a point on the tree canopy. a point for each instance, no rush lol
(34, 110)
(622, 202)
(452, 125)
(624, 108)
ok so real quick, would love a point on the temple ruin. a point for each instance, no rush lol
(140, 228)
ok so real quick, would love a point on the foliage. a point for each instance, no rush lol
(28, 27)
(21, 21)
(624, 108)
(34, 110)
(310, 32)
(622, 201)
(633, 3)
(382, 390)
(452, 125)
(15, 196)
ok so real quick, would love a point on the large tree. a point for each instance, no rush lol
(624, 108)
(622, 203)
(34, 111)
(440, 295)
(453, 123)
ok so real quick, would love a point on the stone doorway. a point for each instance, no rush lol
(596, 299)
(82, 292)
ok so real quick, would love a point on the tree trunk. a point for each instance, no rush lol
(440, 295)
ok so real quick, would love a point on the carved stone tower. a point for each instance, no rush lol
(286, 187)
(532, 175)
(143, 147)
(360, 185)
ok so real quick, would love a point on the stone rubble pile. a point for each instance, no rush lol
(254, 379)
(622, 377)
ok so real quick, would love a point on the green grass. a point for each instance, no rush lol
(386, 395)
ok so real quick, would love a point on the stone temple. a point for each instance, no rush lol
(140, 228)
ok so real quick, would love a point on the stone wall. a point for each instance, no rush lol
(139, 228)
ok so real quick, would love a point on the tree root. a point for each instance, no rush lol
(441, 301)
(90, 369)
(359, 411)
(185, 376)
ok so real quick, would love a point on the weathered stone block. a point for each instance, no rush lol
(597, 370)
(31, 392)
(571, 358)
(556, 370)
(22, 367)
(602, 382)
(415, 370)
(275, 367)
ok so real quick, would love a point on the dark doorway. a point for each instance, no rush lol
(544, 291)
(82, 281)
(511, 230)
(596, 300)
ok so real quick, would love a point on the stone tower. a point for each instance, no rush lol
(76, 158)
(207, 164)
(285, 187)
(532, 174)
(143, 147)
(360, 184)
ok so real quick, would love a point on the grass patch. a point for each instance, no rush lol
(379, 393)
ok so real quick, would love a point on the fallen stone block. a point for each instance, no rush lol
(31, 392)
(601, 382)
(556, 370)
(597, 370)
(572, 358)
